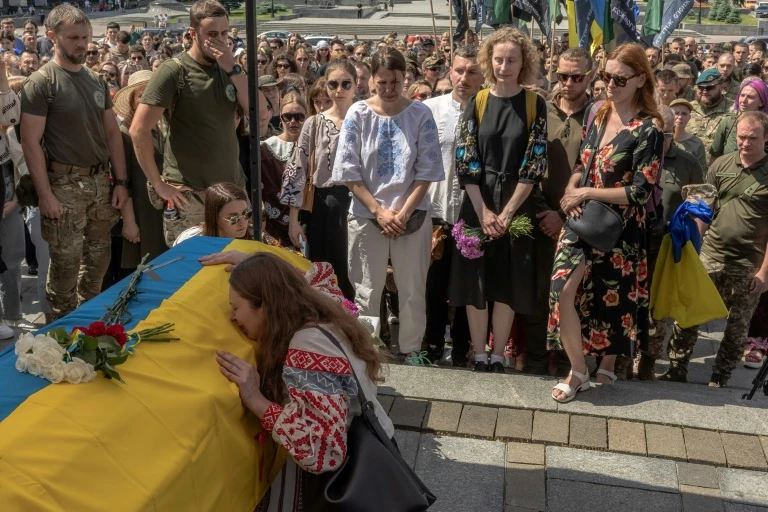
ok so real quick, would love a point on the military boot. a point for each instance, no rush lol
(646, 368)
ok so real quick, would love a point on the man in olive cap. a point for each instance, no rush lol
(684, 81)
(432, 69)
(710, 107)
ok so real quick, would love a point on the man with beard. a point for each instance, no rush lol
(741, 56)
(69, 106)
(362, 88)
(29, 62)
(566, 113)
(690, 52)
(709, 108)
(200, 89)
(725, 65)
(684, 81)
(92, 55)
(653, 55)
(467, 78)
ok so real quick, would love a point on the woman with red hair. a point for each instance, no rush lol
(599, 300)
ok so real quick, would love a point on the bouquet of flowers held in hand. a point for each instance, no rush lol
(469, 240)
(75, 357)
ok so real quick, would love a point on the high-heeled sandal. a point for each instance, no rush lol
(608, 374)
(570, 393)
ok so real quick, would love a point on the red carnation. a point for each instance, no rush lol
(94, 330)
(117, 331)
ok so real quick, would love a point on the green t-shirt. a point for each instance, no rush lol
(74, 127)
(679, 169)
(739, 232)
(202, 147)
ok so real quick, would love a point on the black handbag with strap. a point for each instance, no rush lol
(599, 225)
(374, 477)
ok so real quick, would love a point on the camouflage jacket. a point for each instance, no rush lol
(689, 94)
(704, 121)
(732, 91)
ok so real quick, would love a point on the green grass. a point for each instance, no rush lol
(746, 21)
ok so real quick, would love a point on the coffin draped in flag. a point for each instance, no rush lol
(674, 12)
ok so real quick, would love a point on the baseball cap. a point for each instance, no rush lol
(268, 81)
(709, 76)
(432, 61)
(681, 101)
(323, 44)
(682, 71)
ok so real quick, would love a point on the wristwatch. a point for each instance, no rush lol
(123, 183)
(236, 70)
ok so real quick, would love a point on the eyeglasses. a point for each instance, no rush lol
(110, 73)
(297, 116)
(577, 78)
(345, 84)
(706, 88)
(434, 69)
(246, 215)
(92, 52)
(423, 96)
(274, 47)
(137, 57)
(442, 92)
(620, 81)
(262, 62)
(283, 66)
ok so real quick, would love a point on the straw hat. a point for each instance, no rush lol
(122, 103)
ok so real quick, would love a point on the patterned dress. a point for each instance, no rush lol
(612, 299)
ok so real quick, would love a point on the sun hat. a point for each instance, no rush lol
(122, 103)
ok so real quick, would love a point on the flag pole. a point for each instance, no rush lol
(434, 28)
(253, 116)
(466, 33)
(450, 27)
(552, 53)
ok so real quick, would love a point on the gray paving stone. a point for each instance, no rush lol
(704, 446)
(465, 474)
(626, 437)
(442, 417)
(730, 506)
(742, 486)
(743, 451)
(697, 475)
(588, 432)
(478, 421)
(526, 487)
(568, 496)
(514, 424)
(386, 402)
(607, 468)
(550, 427)
(764, 442)
(408, 444)
(665, 441)
(699, 499)
(525, 453)
(408, 412)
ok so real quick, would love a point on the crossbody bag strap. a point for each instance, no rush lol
(588, 166)
(737, 189)
(481, 104)
(312, 142)
(360, 394)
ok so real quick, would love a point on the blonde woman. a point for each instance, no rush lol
(500, 159)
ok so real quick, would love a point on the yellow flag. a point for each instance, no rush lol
(597, 37)
(573, 34)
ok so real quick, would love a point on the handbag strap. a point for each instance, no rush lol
(360, 394)
(585, 172)
(312, 142)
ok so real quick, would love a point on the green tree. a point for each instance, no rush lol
(714, 8)
(734, 17)
(723, 12)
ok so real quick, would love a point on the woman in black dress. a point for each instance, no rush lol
(599, 300)
(499, 160)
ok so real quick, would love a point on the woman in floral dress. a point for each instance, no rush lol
(599, 300)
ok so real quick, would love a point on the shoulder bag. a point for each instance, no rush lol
(374, 477)
(308, 199)
(599, 225)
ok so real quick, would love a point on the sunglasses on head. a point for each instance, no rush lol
(246, 215)
(92, 52)
(706, 88)
(297, 116)
(345, 84)
(620, 81)
(577, 78)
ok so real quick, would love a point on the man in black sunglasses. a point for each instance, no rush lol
(92, 55)
(709, 108)
(432, 68)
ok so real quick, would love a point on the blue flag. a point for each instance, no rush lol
(674, 12)
(584, 18)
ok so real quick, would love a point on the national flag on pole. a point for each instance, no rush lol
(652, 23)
(623, 17)
(602, 10)
(573, 33)
(583, 19)
(502, 13)
(539, 10)
(674, 12)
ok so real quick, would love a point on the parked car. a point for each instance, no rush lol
(271, 34)
(314, 39)
(761, 11)
(749, 39)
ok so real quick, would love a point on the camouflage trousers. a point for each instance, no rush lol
(192, 214)
(79, 241)
(732, 282)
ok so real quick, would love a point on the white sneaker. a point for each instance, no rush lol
(6, 332)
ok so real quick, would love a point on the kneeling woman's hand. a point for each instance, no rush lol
(230, 258)
(247, 378)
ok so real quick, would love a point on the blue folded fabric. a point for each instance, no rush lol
(683, 227)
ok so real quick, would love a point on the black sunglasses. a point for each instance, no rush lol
(577, 79)
(706, 88)
(263, 62)
(236, 218)
(434, 69)
(137, 57)
(283, 66)
(110, 73)
(345, 84)
(423, 96)
(438, 92)
(620, 81)
(274, 47)
(92, 52)
(288, 117)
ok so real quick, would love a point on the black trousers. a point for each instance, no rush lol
(438, 278)
(30, 255)
(327, 232)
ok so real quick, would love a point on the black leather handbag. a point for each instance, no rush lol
(374, 477)
(599, 225)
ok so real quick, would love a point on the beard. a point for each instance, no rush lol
(711, 101)
(206, 56)
(72, 57)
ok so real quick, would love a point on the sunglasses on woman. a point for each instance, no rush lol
(283, 66)
(620, 81)
(234, 219)
(423, 96)
(111, 74)
(262, 62)
(345, 84)
(297, 116)
(577, 78)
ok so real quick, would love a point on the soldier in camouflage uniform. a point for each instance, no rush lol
(684, 81)
(734, 248)
(709, 108)
(726, 64)
(69, 106)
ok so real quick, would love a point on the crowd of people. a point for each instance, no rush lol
(372, 153)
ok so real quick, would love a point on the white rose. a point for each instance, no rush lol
(48, 352)
(34, 367)
(79, 371)
(21, 363)
(24, 343)
(55, 373)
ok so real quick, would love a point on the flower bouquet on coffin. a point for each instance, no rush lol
(469, 241)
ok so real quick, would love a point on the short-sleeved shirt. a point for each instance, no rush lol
(679, 169)
(739, 232)
(202, 148)
(563, 145)
(74, 127)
